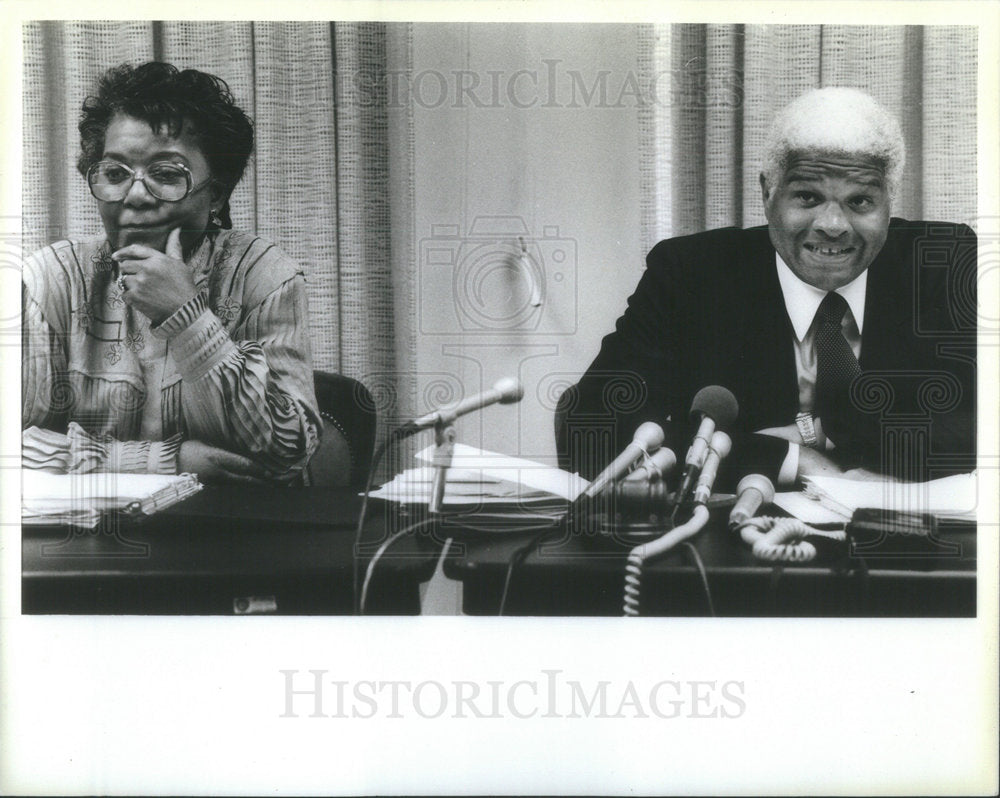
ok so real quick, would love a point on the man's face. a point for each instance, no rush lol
(829, 216)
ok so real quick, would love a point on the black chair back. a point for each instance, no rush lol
(347, 407)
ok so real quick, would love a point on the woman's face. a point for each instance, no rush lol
(141, 218)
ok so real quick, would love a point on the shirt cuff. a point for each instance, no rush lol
(182, 318)
(198, 341)
(789, 470)
(45, 450)
(144, 457)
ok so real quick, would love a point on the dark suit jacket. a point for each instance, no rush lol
(709, 311)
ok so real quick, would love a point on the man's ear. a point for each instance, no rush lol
(765, 194)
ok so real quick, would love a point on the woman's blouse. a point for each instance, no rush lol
(103, 390)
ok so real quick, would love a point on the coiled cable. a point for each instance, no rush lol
(638, 556)
(784, 539)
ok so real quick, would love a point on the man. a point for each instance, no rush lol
(846, 336)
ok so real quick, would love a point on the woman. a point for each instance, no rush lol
(173, 343)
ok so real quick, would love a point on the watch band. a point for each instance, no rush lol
(807, 429)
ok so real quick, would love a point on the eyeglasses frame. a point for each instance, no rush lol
(140, 174)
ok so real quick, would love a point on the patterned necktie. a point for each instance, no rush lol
(836, 368)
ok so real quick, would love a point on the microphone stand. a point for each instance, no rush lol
(444, 449)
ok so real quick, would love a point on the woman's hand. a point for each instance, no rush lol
(156, 283)
(213, 464)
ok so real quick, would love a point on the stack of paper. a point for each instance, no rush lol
(808, 508)
(478, 477)
(949, 499)
(81, 499)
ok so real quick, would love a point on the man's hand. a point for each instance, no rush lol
(812, 463)
(790, 433)
(156, 283)
(863, 474)
(213, 464)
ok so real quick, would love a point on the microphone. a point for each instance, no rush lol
(718, 449)
(504, 391)
(753, 491)
(713, 407)
(648, 436)
(654, 468)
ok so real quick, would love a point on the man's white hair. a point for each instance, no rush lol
(835, 120)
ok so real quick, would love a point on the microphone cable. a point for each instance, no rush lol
(378, 555)
(394, 436)
(370, 570)
(696, 559)
(520, 555)
(784, 539)
(647, 551)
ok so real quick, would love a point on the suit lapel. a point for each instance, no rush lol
(886, 316)
(769, 381)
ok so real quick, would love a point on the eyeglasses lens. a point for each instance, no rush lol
(111, 181)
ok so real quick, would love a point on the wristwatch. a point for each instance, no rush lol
(807, 429)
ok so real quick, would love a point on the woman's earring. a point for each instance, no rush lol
(214, 219)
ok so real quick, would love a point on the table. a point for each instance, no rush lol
(239, 550)
(226, 550)
(583, 574)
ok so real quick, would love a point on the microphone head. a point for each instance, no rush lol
(655, 467)
(717, 403)
(649, 435)
(757, 482)
(721, 444)
(510, 390)
(663, 460)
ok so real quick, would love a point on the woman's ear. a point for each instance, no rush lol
(220, 194)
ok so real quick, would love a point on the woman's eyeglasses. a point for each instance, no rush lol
(111, 181)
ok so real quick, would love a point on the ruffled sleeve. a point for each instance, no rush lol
(45, 392)
(250, 392)
(78, 452)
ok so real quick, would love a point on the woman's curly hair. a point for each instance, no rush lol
(165, 96)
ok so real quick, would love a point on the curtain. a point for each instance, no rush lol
(702, 136)
(318, 184)
(332, 181)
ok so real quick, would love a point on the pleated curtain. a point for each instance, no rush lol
(719, 87)
(318, 184)
(332, 179)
